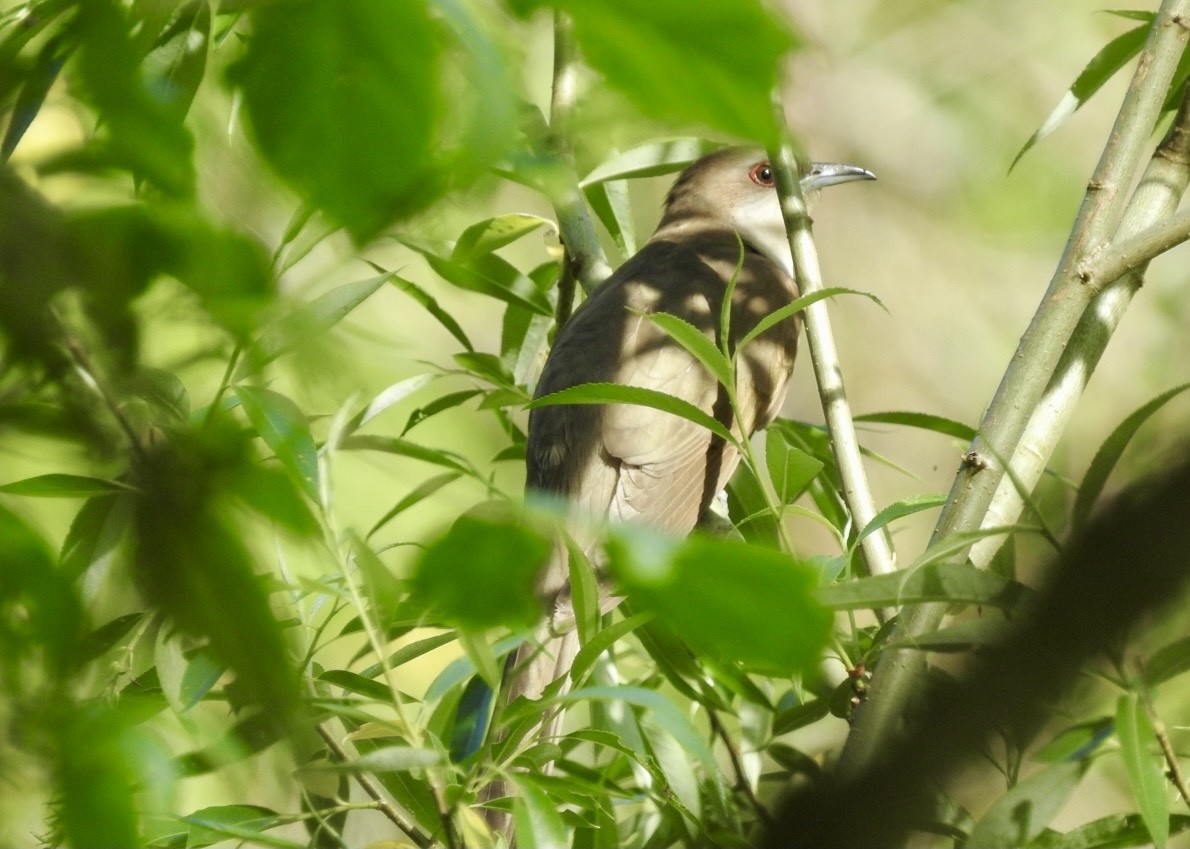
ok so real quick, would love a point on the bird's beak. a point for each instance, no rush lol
(823, 174)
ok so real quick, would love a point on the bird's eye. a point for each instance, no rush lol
(762, 175)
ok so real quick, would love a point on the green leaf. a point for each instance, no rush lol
(797, 305)
(713, 63)
(413, 498)
(100, 761)
(488, 274)
(63, 486)
(308, 322)
(604, 639)
(727, 599)
(1024, 811)
(961, 636)
(615, 393)
(1118, 830)
(664, 711)
(284, 428)
(144, 134)
(492, 234)
(1109, 454)
(384, 590)
(405, 448)
(799, 716)
(214, 824)
(309, 64)
(38, 79)
(411, 652)
(1167, 662)
(650, 160)
(697, 343)
(1102, 67)
(1146, 778)
(899, 510)
(431, 306)
(612, 204)
(924, 421)
(1076, 742)
(947, 582)
(538, 825)
(790, 469)
(483, 573)
(390, 759)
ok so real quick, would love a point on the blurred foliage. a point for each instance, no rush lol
(260, 556)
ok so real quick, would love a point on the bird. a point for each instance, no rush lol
(621, 463)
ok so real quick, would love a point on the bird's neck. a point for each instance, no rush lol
(770, 242)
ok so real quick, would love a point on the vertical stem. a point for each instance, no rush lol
(876, 550)
(584, 255)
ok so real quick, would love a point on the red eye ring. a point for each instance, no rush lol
(761, 174)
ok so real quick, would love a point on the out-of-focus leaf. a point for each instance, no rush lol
(948, 582)
(483, 573)
(274, 494)
(284, 428)
(308, 65)
(197, 571)
(308, 322)
(411, 652)
(144, 134)
(1076, 742)
(177, 64)
(387, 398)
(1146, 778)
(790, 468)
(616, 393)
(99, 757)
(37, 82)
(103, 638)
(355, 683)
(405, 448)
(1167, 662)
(63, 486)
(536, 816)
(96, 529)
(650, 160)
(726, 599)
(1024, 811)
(1109, 454)
(712, 63)
(749, 511)
(924, 421)
(38, 605)
(1102, 67)
(798, 716)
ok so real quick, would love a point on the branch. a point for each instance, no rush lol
(1115, 272)
(584, 257)
(878, 555)
(1037, 357)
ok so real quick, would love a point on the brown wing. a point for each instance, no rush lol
(635, 463)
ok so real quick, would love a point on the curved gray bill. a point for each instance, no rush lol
(823, 174)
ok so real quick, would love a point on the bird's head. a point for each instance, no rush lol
(735, 186)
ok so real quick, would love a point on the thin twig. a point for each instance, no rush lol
(741, 778)
(377, 793)
(1171, 758)
(877, 552)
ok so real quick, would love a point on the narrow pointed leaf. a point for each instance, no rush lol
(615, 393)
(1146, 778)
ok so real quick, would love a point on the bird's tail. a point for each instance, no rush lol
(538, 663)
